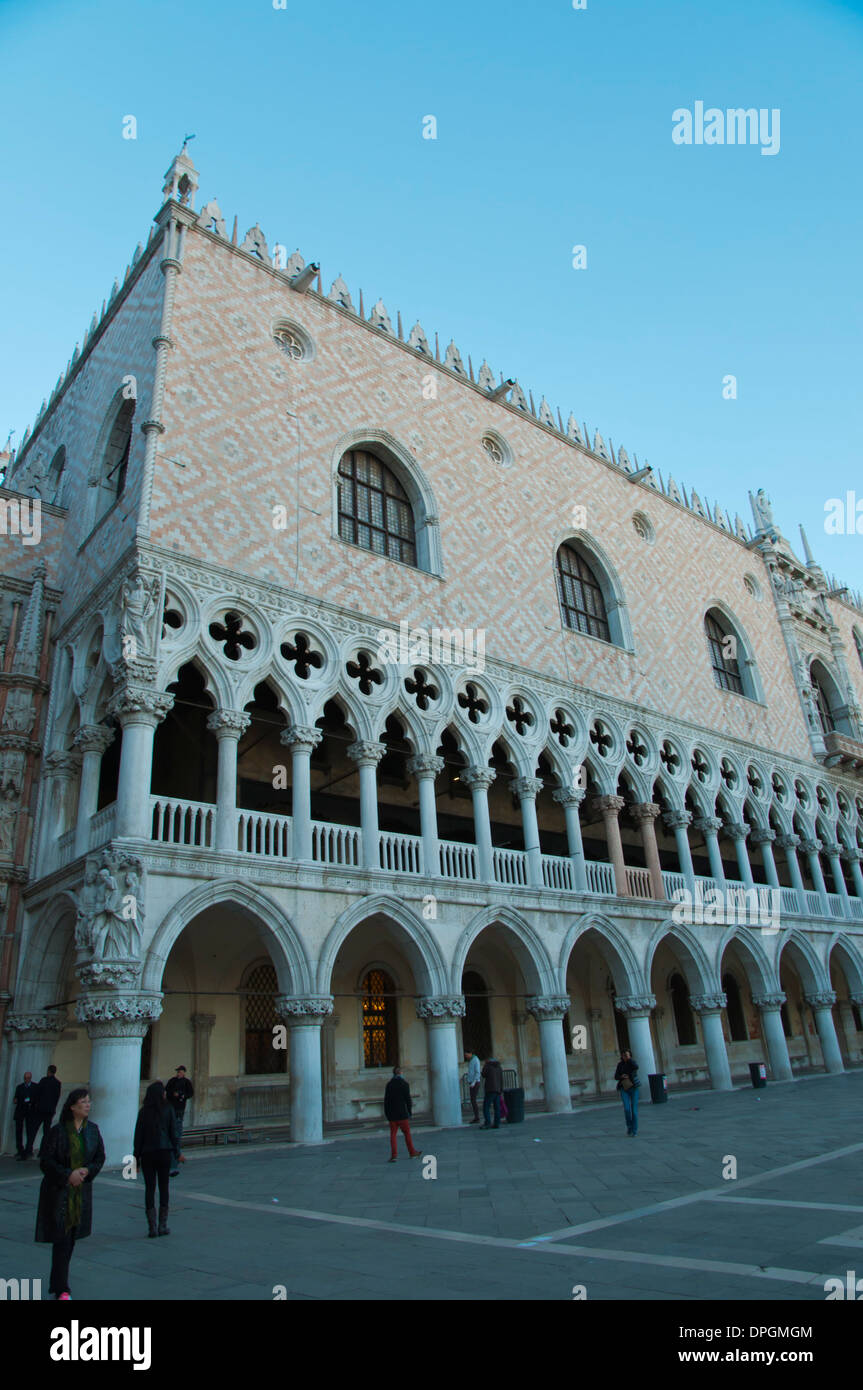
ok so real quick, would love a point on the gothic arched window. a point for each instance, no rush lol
(858, 643)
(476, 1025)
(374, 509)
(826, 716)
(115, 459)
(723, 645)
(379, 1020)
(683, 1020)
(581, 597)
(734, 1010)
(260, 989)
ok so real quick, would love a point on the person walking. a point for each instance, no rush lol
(71, 1156)
(492, 1075)
(47, 1096)
(179, 1090)
(154, 1145)
(26, 1120)
(628, 1084)
(397, 1108)
(474, 1076)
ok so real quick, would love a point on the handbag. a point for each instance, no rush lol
(627, 1083)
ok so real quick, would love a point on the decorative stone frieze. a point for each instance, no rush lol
(49, 1021)
(304, 1008)
(119, 974)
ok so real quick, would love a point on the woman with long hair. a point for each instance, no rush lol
(154, 1145)
(70, 1158)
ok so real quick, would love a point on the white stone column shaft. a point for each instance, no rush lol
(527, 789)
(139, 710)
(425, 768)
(302, 741)
(636, 1010)
(479, 779)
(229, 726)
(710, 1007)
(367, 755)
(441, 1014)
(821, 1005)
(549, 1010)
(570, 798)
(92, 740)
(769, 1008)
(304, 1016)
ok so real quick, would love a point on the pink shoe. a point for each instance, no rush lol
(64, 1298)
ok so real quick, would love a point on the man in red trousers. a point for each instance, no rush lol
(397, 1108)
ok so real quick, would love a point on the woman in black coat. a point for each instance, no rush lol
(628, 1084)
(154, 1145)
(70, 1157)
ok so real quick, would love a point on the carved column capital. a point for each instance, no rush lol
(138, 704)
(634, 1005)
(527, 788)
(228, 723)
(203, 1023)
(118, 1015)
(478, 777)
(61, 764)
(303, 1008)
(811, 846)
(708, 825)
(644, 811)
(569, 796)
(440, 1007)
(763, 837)
(770, 1001)
(821, 999)
(737, 830)
(304, 737)
(677, 820)
(115, 974)
(852, 855)
(830, 848)
(366, 752)
(788, 841)
(547, 1006)
(93, 738)
(608, 805)
(425, 765)
(46, 1022)
(708, 1003)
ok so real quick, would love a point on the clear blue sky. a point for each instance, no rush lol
(554, 129)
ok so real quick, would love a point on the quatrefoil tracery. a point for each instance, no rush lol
(636, 749)
(471, 700)
(669, 756)
(518, 714)
(230, 633)
(601, 739)
(561, 728)
(700, 765)
(302, 654)
(364, 672)
(422, 689)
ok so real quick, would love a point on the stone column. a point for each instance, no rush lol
(852, 857)
(228, 725)
(644, 814)
(610, 807)
(678, 821)
(821, 1003)
(116, 1024)
(139, 709)
(58, 771)
(789, 844)
(810, 848)
(425, 767)
(738, 832)
(479, 779)
(441, 1013)
(91, 740)
(202, 1027)
(710, 1007)
(519, 1030)
(594, 1020)
(527, 789)
(367, 754)
(32, 1041)
(770, 1011)
(765, 839)
(548, 1010)
(710, 827)
(303, 740)
(832, 852)
(636, 1009)
(304, 1015)
(570, 798)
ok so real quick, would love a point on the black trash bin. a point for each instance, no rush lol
(758, 1074)
(658, 1092)
(515, 1105)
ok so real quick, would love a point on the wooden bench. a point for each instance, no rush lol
(215, 1134)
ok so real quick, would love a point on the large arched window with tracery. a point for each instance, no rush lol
(260, 990)
(581, 598)
(379, 1020)
(115, 460)
(826, 716)
(723, 644)
(374, 509)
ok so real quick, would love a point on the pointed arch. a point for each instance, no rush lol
(421, 946)
(533, 959)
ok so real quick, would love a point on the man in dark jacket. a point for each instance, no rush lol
(397, 1108)
(47, 1096)
(26, 1118)
(492, 1075)
(178, 1090)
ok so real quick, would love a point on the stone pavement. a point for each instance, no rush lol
(523, 1213)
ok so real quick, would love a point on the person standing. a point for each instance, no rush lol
(628, 1084)
(154, 1144)
(26, 1119)
(179, 1090)
(492, 1075)
(70, 1158)
(397, 1108)
(474, 1076)
(47, 1096)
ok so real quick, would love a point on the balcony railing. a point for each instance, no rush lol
(266, 835)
